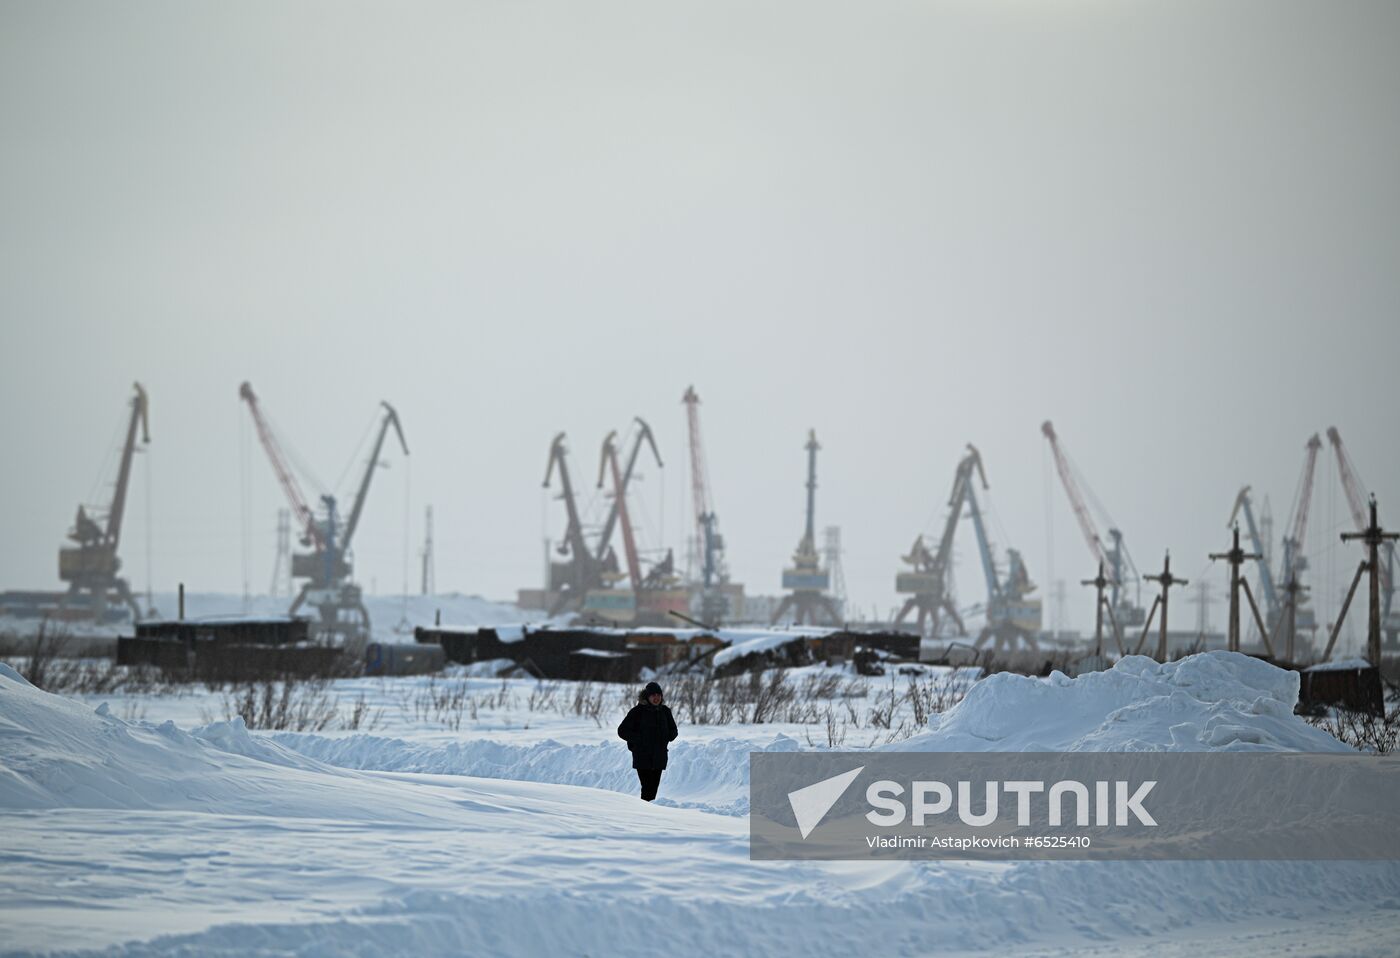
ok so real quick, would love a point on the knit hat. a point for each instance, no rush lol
(651, 689)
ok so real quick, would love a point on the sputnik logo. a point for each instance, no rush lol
(810, 804)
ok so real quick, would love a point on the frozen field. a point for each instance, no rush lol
(471, 816)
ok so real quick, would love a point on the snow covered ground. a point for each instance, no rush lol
(515, 831)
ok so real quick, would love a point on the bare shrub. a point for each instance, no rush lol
(282, 706)
(443, 704)
(361, 716)
(1362, 730)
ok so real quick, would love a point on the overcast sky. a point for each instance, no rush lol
(1172, 228)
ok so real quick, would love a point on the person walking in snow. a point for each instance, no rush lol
(647, 730)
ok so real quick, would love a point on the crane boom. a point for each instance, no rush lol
(961, 480)
(1244, 504)
(1076, 501)
(1360, 514)
(984, 547)
(1351, 483)
(629, 541)
(643, 435)
(391, 418)
(699, 485)
(285, 477)
(1298, 524)
(118, 508)
(706, 522)
(573, 536)
(1297, 531)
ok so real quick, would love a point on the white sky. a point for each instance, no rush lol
(1173, 228)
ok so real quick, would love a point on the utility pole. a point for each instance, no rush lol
(1101, 582)
(1237, 557)
(1202, 603)
(1372, 537)
(1288, 622)
(1166, 580)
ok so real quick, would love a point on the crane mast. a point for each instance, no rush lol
(713, 604)
(805, 579)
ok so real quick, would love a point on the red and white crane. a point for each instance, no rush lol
(327, 567)
(1113, 555)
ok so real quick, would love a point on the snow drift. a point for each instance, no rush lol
(1208, 702)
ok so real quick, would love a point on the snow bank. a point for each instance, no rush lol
(712, 776)
(1216, 701)
(59, 754)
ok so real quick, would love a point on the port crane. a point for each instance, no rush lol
(928, 583)
(805, 579)
(713, 606)
(1360, 515)
(1012, 618)
(1118, 564)
(652, 595)
(327, 567)
(569, 580)
(624, 476)
(586, 569)
(90, 566)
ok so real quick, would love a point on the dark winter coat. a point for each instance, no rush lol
(647, 729)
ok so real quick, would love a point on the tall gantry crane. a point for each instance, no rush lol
(1358, 504)
(327, 567)
(581, 582)
(805, 579)
(929, 584)
(1012, 617)
(642, 437)
(713, 606)
(90, 567)
(652, 594)
(1118, 564)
